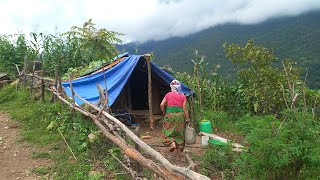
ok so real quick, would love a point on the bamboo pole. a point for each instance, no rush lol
(170, 167)
(148, 59)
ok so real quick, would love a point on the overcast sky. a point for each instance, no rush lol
(142, 19)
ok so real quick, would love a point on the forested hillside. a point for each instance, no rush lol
(297, 38)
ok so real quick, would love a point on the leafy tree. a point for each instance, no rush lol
(258, 76)
(91, 44)
(13, 52)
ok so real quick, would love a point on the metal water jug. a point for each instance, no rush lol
(190, 135)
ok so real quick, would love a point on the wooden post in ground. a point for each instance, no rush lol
(24, 77)
(56, 79)
(72, 91)
(42, 89)
(32, 78)
(148, 59)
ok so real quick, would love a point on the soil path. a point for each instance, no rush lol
(15, 157)
(155, 141)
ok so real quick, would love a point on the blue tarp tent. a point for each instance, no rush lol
(134, 69)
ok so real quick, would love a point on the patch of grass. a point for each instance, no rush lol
(43, 155)
(41, 170)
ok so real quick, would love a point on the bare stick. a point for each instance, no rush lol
(304, 91)
(283, 95)
(67, 145)
(287, 76)
(99, 87)
(132, 173)
(17, 69)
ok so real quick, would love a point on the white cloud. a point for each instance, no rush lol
(143, 19)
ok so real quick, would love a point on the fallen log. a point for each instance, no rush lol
(127, 149)
(170, 167)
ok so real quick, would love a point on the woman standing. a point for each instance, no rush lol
(175, 116)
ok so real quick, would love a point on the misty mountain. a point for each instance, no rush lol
(297, 38)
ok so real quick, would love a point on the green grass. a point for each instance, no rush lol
(41, 170)
(43, 155)
(36, 116)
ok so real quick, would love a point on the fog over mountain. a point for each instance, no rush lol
(143, 20)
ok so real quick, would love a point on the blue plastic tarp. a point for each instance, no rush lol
(116, 78)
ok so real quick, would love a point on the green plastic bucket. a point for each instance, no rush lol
(205, 126)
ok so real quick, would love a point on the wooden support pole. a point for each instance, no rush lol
(101, 95)
(56, 78)
(32, 78)
(42, 89)
(24, 78)
(170, 167)
(148, 59)
(72, 91)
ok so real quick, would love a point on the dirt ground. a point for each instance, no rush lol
(153, 138)
(15, 157)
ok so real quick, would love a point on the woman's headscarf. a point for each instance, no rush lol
(175, 86)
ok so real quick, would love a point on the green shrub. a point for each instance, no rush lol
(217, 159)
(220, 120)
(291, 151)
